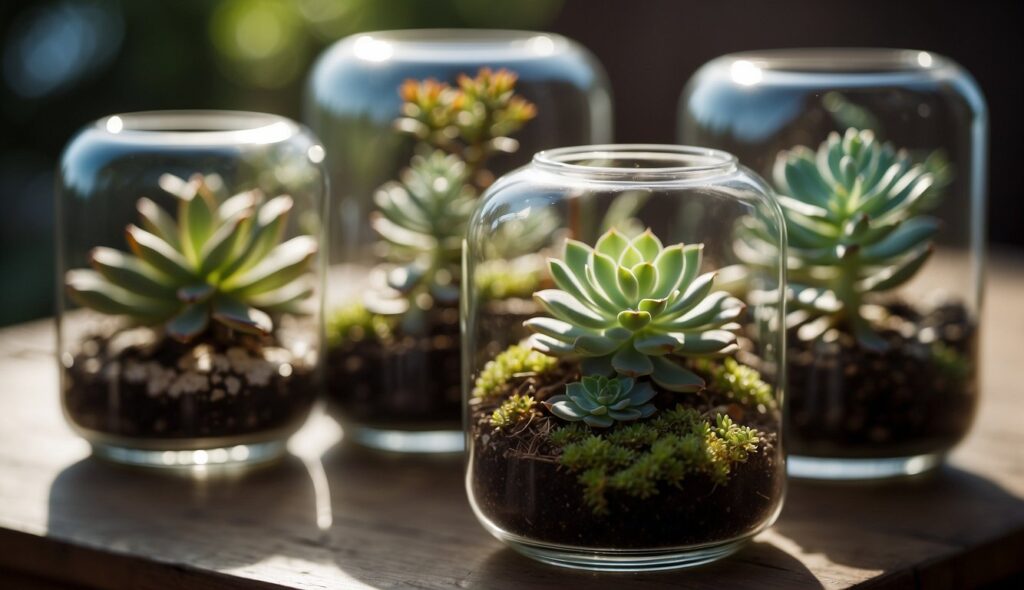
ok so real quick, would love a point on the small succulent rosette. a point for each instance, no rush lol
(638, 426)
(428, 121)
(880, 173)
(193, 341)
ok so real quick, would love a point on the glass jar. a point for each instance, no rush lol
(638, 426)
(191, 281)
(416, 125)
(880, 158)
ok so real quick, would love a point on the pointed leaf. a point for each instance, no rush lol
(590, 345)
(646, 277)
(704, 342)
(628, 284)
(158, 222)
(221, 244)
(238, 316)
(605, 278)
(549, 345)
(654, 344)
(159, 254)
(898, 274)
(648, 245)
(191, 322)
(673, 377)
(670, 265)
(130, 273)
(631, 362)
(555, 328)
(611, 244)
(567, 308)
(285, 263)
(90, 289)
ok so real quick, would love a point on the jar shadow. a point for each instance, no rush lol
(220, 522)
(882, 527)
(405, 520)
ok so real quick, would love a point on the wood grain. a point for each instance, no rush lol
(335, 516)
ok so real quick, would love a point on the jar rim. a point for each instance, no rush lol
(671, 162)
(873, 61)
(455, 44)
(198, 127)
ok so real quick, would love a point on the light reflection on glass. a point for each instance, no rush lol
(745, 73)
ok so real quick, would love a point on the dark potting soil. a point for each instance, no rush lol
(170, 390)
(410, 381)
(917, 397)
(519, 485)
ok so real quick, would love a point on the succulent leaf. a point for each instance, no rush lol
(627, 303)
(216, 262)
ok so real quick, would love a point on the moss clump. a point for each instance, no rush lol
(516, 361)
(353, 323)
(950, 363)
(739, 382)
(636, 459)
(513, 411)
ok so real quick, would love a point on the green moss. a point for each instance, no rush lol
(513, 411)
(637, 459)
(515, 361)
(950, 363)
(737, 381)
(353, 322)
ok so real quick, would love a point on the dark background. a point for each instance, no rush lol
(64, 63)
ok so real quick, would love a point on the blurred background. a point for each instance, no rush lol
(64, 63)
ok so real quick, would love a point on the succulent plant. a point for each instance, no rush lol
(853, 213)
(600, 402)
(629, 305)
(473, 120)
(421, 220)
(220, 261)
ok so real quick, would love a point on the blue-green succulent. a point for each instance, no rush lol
(600, 402)
(632, 307)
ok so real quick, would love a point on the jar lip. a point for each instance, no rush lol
(874, 61)
(198, 127)
(455, 44)
(671, 162)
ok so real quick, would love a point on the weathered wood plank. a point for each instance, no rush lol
(334, 516)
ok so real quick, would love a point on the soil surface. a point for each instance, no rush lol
(169, 390)
(919, 396)
(519, 485)
(410, 382)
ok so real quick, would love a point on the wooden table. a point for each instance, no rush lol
(334, 516)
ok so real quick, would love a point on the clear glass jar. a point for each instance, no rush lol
(883, 361)
(400, 112)
(191, 280)
(638, 426)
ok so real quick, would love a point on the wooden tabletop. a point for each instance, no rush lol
(334, 516)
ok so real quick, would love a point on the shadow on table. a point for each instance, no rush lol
(879, 526)
(415, 527)
(759, 564)
(223, 521)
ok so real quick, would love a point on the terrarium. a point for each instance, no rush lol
(417, 124)
(189, 268)
(638, 426)
(879, 160)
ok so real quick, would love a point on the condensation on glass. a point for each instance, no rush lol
(395, 384)
(890, 389)
(190, 271)
(604, 434)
